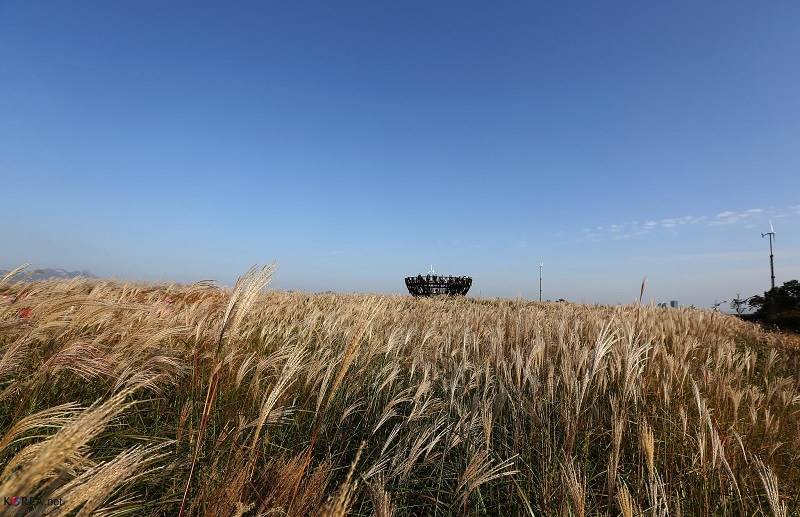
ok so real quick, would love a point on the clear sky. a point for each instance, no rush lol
(360, 143)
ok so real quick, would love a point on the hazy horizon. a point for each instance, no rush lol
(357, 145)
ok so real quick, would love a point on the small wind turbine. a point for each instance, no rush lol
(771, 234)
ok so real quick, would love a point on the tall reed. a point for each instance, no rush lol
(166, 399)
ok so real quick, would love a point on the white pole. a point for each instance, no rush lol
(540, 281)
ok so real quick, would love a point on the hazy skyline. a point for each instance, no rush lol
(355, 145)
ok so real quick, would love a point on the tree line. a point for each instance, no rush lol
(779, 307)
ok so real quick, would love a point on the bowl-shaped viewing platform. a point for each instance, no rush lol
(437, 285)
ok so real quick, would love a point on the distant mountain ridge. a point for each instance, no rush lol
(33, 275)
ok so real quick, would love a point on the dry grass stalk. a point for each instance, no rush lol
(142, 399)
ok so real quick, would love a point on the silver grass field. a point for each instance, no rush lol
(132, 399)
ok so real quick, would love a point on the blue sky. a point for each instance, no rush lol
(360, 143)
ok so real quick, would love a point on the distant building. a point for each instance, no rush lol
(673, 304)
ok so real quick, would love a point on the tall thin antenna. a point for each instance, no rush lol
(541, 265)
(431, 271)
(771, 234)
